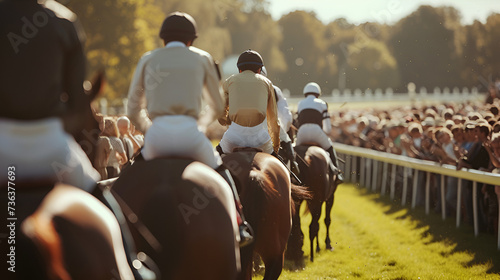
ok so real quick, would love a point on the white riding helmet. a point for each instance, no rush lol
(312, 87)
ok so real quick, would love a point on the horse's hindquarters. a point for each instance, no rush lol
(188, 208)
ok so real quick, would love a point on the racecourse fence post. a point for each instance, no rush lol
(459, 201)
(405, 186)
(368, 183)
(393, 181)
(362, 172)
(427, 192)
(414, 190)
(354, 170)
(347, 167)
(375, 176)
(474, 208)
(443, 198)
(384, 178)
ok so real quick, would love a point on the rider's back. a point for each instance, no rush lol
(42, 57)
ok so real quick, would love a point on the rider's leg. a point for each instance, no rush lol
(290, 155)
(333, 157)
(246, 232)
(245, 229)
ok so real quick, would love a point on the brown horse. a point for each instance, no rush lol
(318, 178)
(181, 214)
(71, 235)
(265, 190)
(62, 232)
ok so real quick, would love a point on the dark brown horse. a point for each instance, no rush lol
(265, 190)
(62, 232)
(318, 178)
(71, 235)
(182, 214)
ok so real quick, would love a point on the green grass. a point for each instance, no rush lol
(375, 238)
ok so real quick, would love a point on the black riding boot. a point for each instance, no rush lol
(246, 232)
(333, 157)
(289, 154)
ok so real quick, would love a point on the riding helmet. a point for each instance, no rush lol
(178, 24)
(312, 87)
(250, 57)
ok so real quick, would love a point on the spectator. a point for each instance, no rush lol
(130, 143)
(103, 150)
(477, 158)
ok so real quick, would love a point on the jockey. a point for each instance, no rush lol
(285, 120)
(41, 75)
(251, 111)
(165, 98)
(314, 122)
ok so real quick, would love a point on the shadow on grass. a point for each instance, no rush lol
(483, 247)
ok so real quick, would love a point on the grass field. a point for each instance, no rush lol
(375, 238)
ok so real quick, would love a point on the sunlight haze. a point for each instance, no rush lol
(383, 11)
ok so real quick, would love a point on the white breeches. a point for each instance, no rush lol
(312, 133)
(42, 149)
(179, 136)
(284, 136)
(243, 136)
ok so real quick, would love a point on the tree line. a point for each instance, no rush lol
(429, 47)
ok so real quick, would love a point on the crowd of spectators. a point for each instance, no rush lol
(117, 144)
(465, 135)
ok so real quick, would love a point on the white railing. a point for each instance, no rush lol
(374, 163)
(379, 95)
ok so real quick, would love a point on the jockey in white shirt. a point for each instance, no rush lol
(165, 99)
(314, 122)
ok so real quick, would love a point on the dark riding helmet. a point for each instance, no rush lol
(250, 57)
(178, 26)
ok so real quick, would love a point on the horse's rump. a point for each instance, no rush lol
(316, 173)
(188, 208)
(63, 232)
(265, 190)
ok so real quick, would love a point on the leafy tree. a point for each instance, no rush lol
(474, 55)
(305, 50)
(256, 30)
(118, 33)
(425, 49)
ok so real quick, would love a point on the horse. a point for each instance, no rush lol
(181, 213)
(71, 235)
(62, 232)
(318, 178)
(265, 191)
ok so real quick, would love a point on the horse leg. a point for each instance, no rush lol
(314, 226)
(274, 267)
(246, 256)
(328, 221)
(296, 239)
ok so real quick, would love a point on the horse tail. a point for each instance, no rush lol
(257, 193)
(40, 230)
(299, 193)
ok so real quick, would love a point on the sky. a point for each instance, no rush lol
(382, 11)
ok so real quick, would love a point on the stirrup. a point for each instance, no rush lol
(246, 234)
(340, 178)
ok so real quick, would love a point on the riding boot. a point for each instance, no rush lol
(246, 232)
(290, 155)
(333, 157)
(295, 179)
(218, 148)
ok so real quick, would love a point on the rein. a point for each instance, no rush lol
(130, 215)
